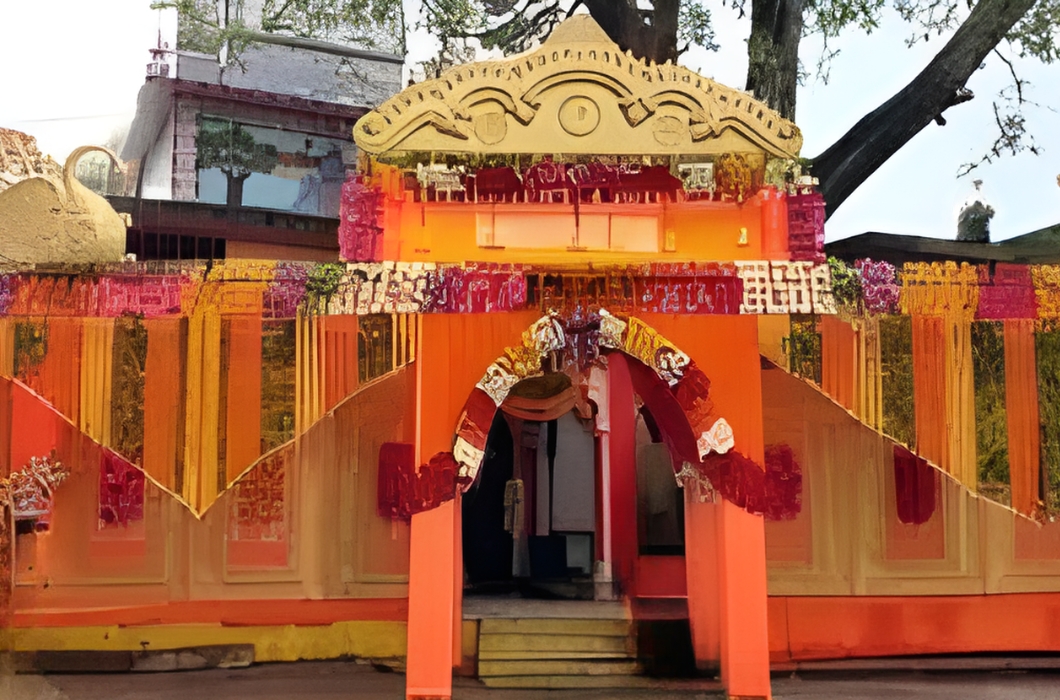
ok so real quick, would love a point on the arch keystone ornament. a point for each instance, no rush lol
(605, 101)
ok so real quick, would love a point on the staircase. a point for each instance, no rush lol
(557, 652)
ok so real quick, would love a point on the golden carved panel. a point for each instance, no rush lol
(577, 93)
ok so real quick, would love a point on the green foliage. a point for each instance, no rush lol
(831, 17)
(991, 423)
(846, 285)
(127, 392)
(928, 17)
(369, 24)
(205, 26)
(1038, 33)
(278, 349)
(223, 144)
(804, 348)
(199, 24)
(695, 27)
(896, 370)
(1047, 351)
(323, 282)
(516, 25)
(31, 347)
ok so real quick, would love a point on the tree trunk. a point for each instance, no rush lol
(235, 190)
(847, 163)
(773, 53)
(624, 23)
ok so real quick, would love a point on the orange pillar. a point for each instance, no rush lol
(774, 224)
(701, 576)
(744, 624)
(432, 545)
(726, 349)
(431, 597)
(741, 536)
(929, 389)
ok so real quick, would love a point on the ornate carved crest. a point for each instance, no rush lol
(576, 93)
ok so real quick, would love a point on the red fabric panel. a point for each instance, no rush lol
(783, 484)
(397, 461)
(404, 490)
(1010, 294)
(806, 226)
(121, 491)
(738, 479)
(916, 484)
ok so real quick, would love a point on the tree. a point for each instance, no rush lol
(229, 147)
(207, 26)
(663, 31)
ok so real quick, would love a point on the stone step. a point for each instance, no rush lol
(574, 682)
(556, 626)
(558, 644)
(552, 655)
(558, 667)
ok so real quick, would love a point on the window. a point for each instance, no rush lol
(253, 166)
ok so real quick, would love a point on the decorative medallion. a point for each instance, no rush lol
(579, 116)
(491, 127)
(669, 131)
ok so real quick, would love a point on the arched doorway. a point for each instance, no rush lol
(675, 391)
(487, 539)
(542, 442)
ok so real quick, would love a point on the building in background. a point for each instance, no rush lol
(246, 157)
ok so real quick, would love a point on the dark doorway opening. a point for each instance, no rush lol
(487, 545)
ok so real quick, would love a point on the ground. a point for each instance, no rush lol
(326, 680)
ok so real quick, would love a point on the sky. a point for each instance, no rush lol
(70, 71)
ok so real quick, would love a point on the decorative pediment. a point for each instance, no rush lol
(576, 93)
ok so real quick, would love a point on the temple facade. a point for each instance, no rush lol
(584, 402)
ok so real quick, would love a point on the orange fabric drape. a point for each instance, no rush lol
(1021, 407)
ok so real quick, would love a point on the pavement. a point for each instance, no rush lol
(335, 679)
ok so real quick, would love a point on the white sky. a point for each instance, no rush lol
(70, 71)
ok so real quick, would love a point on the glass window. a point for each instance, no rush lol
(254, 166)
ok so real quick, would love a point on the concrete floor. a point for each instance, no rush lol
(327, 680)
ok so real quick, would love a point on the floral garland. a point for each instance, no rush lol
(29, 491)
(879, 286)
